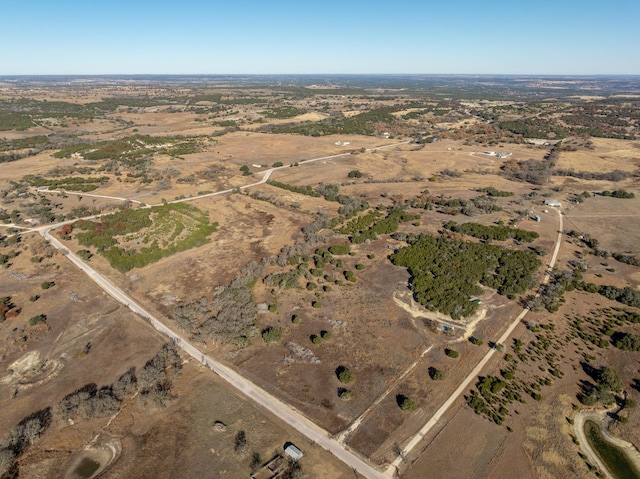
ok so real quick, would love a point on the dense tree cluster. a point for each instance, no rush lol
(536, 172)
(16, 441)
(445, 273)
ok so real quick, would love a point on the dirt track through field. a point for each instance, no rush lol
(415, 440)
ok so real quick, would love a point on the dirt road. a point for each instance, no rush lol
(283, 411)
(415, 440)
(286, 413)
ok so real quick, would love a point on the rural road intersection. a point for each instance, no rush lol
(286, 413)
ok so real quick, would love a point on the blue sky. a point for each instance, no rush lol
(270, 37)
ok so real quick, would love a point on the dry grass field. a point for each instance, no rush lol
(351, 310)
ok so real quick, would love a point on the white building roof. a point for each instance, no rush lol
(293, 452)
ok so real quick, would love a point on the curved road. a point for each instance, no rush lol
(283, 411)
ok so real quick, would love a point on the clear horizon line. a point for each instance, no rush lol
(2, 75)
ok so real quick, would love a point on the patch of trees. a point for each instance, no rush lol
(4, 258)
(626, 295)
(74, 183)
(455, 206)
(272, 335)
(351, 206)
(360, 223)
(10, 120)
(285, 280)
(626, 341)
(157, 375)
(126, 150)
(536, 172)
(405, 403)
(345, 375)
(303, 190)
(535, 128)
(5, 306)
(370, 226)
(89, 401)
(492, 191)
(37, 319)
(355, 174)
(486, 400)
(618, 194)
(282, 112)
(234, 312)
(598, 124)
(452, 353)
(340, 249)
(607, 383)
(345, 394)
(18, 439)
(593, 243)
(447, 173)
(154, 383)
(230, 315)
(445, 273)
(492, 232)
(616, 175)
(367, 123)
(626, 259)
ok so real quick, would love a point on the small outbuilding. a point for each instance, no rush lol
(555, 203)
(293, 452)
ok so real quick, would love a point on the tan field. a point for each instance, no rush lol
(353, 310)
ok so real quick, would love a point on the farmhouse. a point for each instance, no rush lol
(552, 203)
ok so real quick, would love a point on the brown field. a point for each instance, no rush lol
(371, 334)
(52, 364)
(607, 155)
